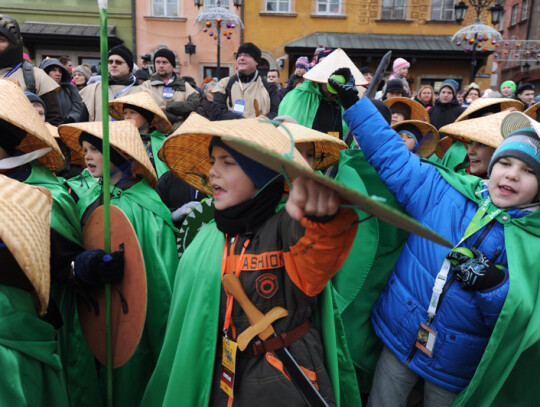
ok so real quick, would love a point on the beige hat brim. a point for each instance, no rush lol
(481, 103)
(532, 111)
(337, 59)
(516, 121)
(485, 130)
(418, 112)
(25, 223)
(145, 101)
(430, 143)
(16, 109)
(123, 137)
(327, 148)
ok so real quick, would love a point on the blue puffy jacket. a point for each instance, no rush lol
(465, 319)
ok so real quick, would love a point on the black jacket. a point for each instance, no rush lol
(442, 114)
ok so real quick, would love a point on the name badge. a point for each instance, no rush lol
(239, 106)
(228, 366)
(167, 92)
(425, 339)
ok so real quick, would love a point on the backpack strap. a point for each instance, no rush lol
(28, 74)
(230, 84)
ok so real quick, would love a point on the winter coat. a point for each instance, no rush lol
(442, 114)
(465, 319)
(91, 96)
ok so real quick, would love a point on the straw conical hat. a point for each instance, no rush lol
(480, 103)
(430, 143)
(186, 154)
(485, 130)
(533, 111)
(15, 108)
(123, 136)
(337, 59)
(327, 148)
(516, 121)
(145, 101)
(74, 158)
(418, 112)
(25, 222)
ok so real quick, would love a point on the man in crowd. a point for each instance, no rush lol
(246, 94)
(67, 64)
(30, 78)
(447, 108)
(122, 82)
(172, 93)
(525, 93)
(273, 77)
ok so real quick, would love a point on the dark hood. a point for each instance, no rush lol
(48, 63)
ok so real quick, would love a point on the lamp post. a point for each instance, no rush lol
(218, 15)
(478, 27)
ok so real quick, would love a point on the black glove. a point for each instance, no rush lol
(69, 119)
(95, 267)
(477, 273)
(347, 92)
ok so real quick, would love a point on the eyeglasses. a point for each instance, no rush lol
(115, 62)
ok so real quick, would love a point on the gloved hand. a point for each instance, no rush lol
(347, 92)
(95, 267)
(477, 273)
(178, 215)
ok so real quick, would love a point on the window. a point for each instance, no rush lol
(165, 8)
(278, 6)
(513, 17)
(501, 21)
(328, 7)
(393, 10)
(442, 10)
(214, 3)
(524, 9)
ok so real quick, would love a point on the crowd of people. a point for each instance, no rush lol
(313, 243)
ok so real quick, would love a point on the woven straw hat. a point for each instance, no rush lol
(25, 222)
(480, 103)
(327, 148)
(485, 130)
(123, 136)
(186, 154)
(430, 143)
(337, 59)
(145, 101)
(418, 112)
(15, 108)
(75, 158)
(516, 121)
(533, 111)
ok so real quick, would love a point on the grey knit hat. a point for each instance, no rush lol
(84, 70)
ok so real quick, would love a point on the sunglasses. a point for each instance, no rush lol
(115, 62)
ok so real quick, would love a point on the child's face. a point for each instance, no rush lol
(408, 140)
(479, 157)
(93, 159)
(403, 72)
(39, 109)
(507, 90)
(397, 117)
(140, 121)
(230, 183)
(512, 183)
(308, 152)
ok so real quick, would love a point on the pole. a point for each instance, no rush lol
(472, 74)
(104, 48)
(218, 26)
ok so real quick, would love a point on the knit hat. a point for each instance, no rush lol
(124, 52)
(84, 70)
(395, 85)
(141, 74)
(512, 84)
(323, 53)
(400, 63)
(383, 109)
(165, 53)
(258, 173)
(409, 129)
(524, 87)
(365, 70)
(450, 83)
(250, 49)
(302, 62)
(33, 98)
(521, 141)
(148, 115)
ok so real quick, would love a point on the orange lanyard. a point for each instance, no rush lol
(237, 270)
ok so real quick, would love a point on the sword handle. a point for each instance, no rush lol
(233, 286)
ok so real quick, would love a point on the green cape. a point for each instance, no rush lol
(302, 104)
(190, 343)
(77, 359)
(156, 140)
(455, 158)
(362, 278)
(31, 373)
(508, 372)
(152, 223)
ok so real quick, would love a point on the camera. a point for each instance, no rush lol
(146, 57)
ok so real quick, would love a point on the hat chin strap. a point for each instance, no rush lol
(16, 161)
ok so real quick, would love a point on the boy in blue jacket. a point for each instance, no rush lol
(438, 310)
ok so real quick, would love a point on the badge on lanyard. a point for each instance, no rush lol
(167, 92)
(228, 366)
(425, 339)
(334, 134)
(239, 106)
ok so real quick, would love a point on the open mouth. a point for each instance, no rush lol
(218, 190)
(506, 190)
(91, 167)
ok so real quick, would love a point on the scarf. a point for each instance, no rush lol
(128, 80)
(246, 216)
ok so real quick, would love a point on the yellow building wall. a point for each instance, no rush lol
(271, 32)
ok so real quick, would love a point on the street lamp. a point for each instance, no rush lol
(478, 27)
(526, 68)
